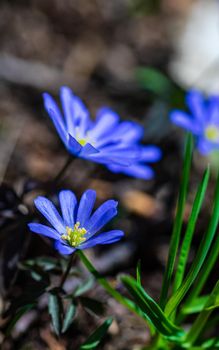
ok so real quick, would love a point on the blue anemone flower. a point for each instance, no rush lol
(77, 228)
(106, 140)
(203, 122)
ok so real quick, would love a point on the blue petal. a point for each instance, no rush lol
(46, 207)
(150, 153)
(137, 170)
(205, 147)
(103, 238)
(105, 123)
(213, 110)
(86, 206)
(129, 132)
(68, 204)
(101, 216)
(55, 115)
(66, 97)
(73, 145)
(185, 121)
(63, 248)
(87, 150)
(44, 230)
(195, 102)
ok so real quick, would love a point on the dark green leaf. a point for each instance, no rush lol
(92, 305)
(95, 338)
(152, 310)
(20, 312)
(55, 311)
(153, 80)
(138, 272)
(69, 317)
(84, 287)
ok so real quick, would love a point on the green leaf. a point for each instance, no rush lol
(84, 287)
(175, 238)
(199, 258)
(190, 230)
(95, 338)
(203, 317)
(195, 306)
(20, 312)
(138, 272)
(55, 311)
(93, 305)
(69, 316)
(153, 80)
(152, 309)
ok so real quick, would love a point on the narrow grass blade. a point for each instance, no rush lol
(175, 238)
(190, 230)
(200, 257)
(157, 317)
(95, 338)
(205, 271)
(203, 316)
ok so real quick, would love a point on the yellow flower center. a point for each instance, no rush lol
(74, 236)
(82, 142)
(212, 133)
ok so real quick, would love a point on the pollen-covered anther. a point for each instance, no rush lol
(74, 236)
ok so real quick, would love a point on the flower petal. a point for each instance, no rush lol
(73, 145)
(68, 204)
(44, 230)
(63, 248)
(103, 238)
(46, 207)
(205, 147)
(55, 115)
(105, 123)
(138, 170)
(87, 150)
(195, 102)
(185, 121)
(101, 216)
(150, 153)
(66, 97)
(86, 206)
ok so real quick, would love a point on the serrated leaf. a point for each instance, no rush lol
(55, 311)
(95, 338)
(84, 287)
(69, 317)
(152, 309)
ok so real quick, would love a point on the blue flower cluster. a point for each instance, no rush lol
(77, 228)
(203, 122)
(106, 140)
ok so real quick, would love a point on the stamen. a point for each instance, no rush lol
(74, 236)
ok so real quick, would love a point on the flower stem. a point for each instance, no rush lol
(106, 285)
(58, 177)
(65, 275)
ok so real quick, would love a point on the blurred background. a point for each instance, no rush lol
(136, 56)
